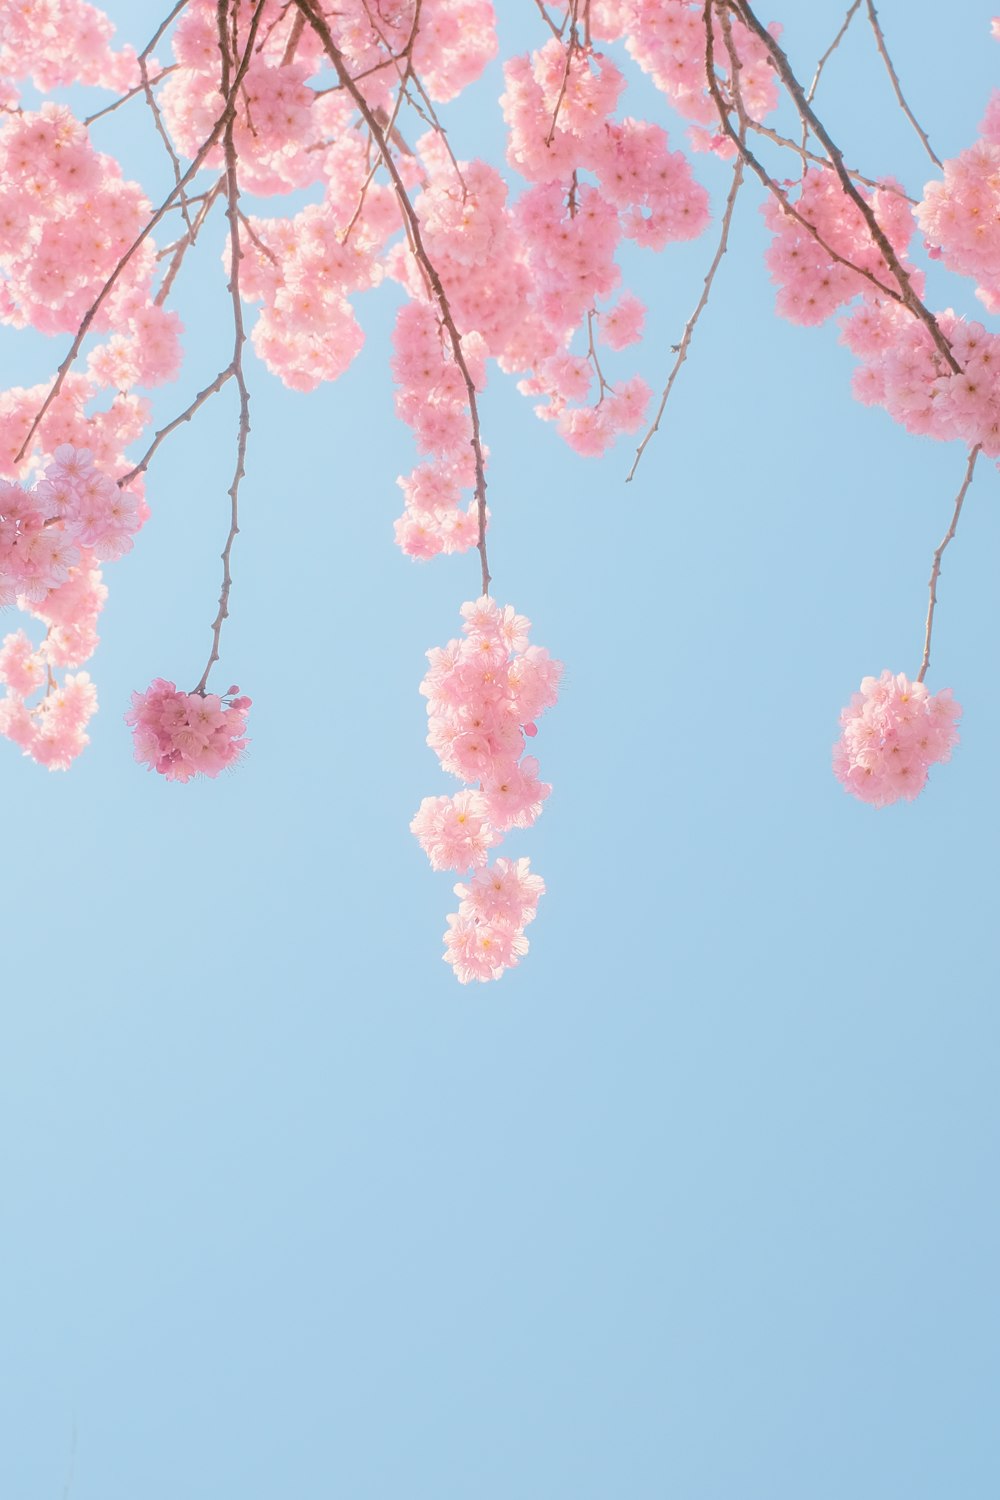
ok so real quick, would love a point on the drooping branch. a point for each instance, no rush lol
(168, 144)
(936, 565)
(294, 37)
(429, 271)
(572, 47)
(681, 349)
(808, 116)
(144, 55)
(239, 332)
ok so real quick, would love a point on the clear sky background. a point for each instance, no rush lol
(700, 1203)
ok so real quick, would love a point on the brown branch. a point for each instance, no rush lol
(681, 349)
(429, 270)
(936, 565)
(184, 416)
(161, 131)
(557, 31)
(738, 137)
(603, 386)
(429, 115)
(807, 114)
(167, 21)
(183, 245)
(294, 37)
(255, 239)
(151, 224)
(852, 12)
(386, 121)
(239, 332)
(883, 53)
(124, 98)
(571, 48)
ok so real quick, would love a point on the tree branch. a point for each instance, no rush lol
(429, 270)
(783, 68)
(883, 53)
(936, 565)
(681, 349)
(239, 333)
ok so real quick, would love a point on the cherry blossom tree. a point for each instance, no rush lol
(515, 262)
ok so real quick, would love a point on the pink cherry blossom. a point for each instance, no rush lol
(894, 730)
(181, 735)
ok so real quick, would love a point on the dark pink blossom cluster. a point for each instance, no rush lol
(486, 935)
(181, 735)
(484, 694)
(894, 730)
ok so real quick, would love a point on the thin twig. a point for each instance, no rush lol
(681, 349)
(431, 275)
(161, 131)
(883, 53)
(143, 55)
(239, 332)
(807, 114)
(141, 238)
(255, 239)
(72, 1451)
(386, 121)
(167, 21)
(184, 416)
(738, 137)
(294, 37)
(571, 47)
(603, 386)
(181, 248)
(823, 161)
(936, 565)
(124, 98)
(831, 50)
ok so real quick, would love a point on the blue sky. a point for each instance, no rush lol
(697, 1204)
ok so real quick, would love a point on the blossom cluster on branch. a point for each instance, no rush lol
(521, 269)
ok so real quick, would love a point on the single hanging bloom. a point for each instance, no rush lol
(894, 730)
